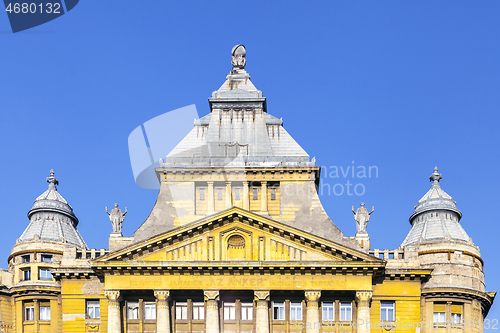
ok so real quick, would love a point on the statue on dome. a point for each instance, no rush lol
(238, 60)
(116, 216)
(362, 216)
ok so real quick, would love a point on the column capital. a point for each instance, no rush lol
(262, 295)
(162, 295)
(263, 182)
(363, 297)
(312, 295)
(210, 183)
(211, 295)
(113, 295)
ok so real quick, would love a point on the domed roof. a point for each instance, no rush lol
(436, 216)
(52, 218)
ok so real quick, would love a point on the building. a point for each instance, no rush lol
(238, 241)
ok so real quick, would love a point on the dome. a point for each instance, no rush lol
(52, 218)
(436, 216)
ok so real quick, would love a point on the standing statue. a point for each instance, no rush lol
(116, 217)
(238, 58)
(362, 216)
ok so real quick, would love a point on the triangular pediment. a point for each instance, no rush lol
(237, 236)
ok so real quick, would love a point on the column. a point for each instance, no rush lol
(246, 202)
(210, 198)
(363, 299)
(263, 197)
(229, 202)
(312, 311)
(114, 322)
(212, 312)
(262, 311)
(162, 311)
(36, 313)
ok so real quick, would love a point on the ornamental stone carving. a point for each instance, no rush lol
(211, 295)
(262, 295)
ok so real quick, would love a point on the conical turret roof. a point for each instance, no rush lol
(52, 218)
(436, 216)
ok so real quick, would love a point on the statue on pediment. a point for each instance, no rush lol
(116, 216)
(362, 216)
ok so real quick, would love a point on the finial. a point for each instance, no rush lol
(238, 60)
(436, 177)
(52, 181)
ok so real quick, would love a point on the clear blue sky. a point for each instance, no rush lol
(403, 86)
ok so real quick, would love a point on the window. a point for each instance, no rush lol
(46, 258)
(198, 311)
(202, 194)
(149, 310)
(93, 310)
(45, 274)
(456, 314)
(181, 311)
(132, 310)
(295, 310)
(345, 311)
(26, 274)
(439, 313)
(44, 312)
(246, 311)
(328, 311)
(219, 194)
(273, 193)
(29, 312)
(229, 311)
(255, 192)
(387, 311)
(279, 310)
(237, 193)
(25, 259)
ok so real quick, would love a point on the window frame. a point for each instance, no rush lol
(45, 269)
(273, 193)
(230, 314)
(91, 304)
(219, 193)
(237, 194)
(40, 312)
(29, 312)
(152, 306)
(385, 307)
(199, 313)
(326, 306)
(25, 259)
(295, 310)
(26, 272)
(255, 193)
(345, 305)
(202, 194)
(131, 310)
(246, 308)
(281, 313)
(181, 306)
(44, 258)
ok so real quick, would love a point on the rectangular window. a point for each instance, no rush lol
(456, 314)
(133, 310)
(279, 310)
(246, 311)
(255, 192)
(149, 310)
(387, 310)
(237, 193)
(29, 312)
(45, 274)
(229, 311)
(26, 274)
(93, 310)
(273, 193)
(295, 310)
(46, 258)
(202, 194)
(181, 311)
(44, 312)
(439, 316)
(198, 311)
(345, 311)
(25, 259)
(328, 311)
(219, 194)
